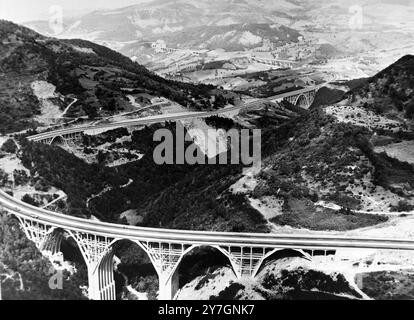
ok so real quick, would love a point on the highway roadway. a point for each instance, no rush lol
(293, 93)
(133, 122)
(157, 118)
(164, 118)
(118, 232)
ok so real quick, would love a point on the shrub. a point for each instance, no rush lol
(28, 199)
(9, 146)
(402, 206)
(20, 177)
(4, 178)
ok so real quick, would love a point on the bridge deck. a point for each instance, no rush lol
(155, 119)
(117, 231)
(293, 93)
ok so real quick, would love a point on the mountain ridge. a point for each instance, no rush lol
(93, 74)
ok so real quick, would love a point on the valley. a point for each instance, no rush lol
(339, 163)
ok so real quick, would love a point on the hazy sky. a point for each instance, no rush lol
(26, 10)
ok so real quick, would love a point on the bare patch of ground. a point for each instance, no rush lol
(402, 151)
(49, 101)
(362, 117)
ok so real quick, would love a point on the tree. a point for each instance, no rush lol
(29, 200)
(219, 102)
(409, 109)
(28, 272)
(101, 157)
(4, 178)
(20, 177)
(9, 146)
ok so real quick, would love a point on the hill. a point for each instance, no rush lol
(390, 91)
(41, 76)
(354, 153)
(333, 168)
(159, 18)
(233, 37)
(347, 155)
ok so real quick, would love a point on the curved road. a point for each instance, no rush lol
(117, 231)
(160, 118)
(132, 122)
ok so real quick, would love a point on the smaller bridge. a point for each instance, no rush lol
(301, 98)
(75, 133)
(275, 62)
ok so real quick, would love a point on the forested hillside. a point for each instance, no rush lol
(76, 69)
(390, 91)
(25, 273)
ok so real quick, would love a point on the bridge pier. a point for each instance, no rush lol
(245, 262)
(98, 255)
(168, 286)
(101, 279)
(165, 258)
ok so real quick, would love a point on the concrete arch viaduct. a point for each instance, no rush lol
(303, 98)
(246, 253)
(166, 248)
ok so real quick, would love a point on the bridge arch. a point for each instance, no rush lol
(135, 261)
(302, 101)
(46, 238)
(98, 256)
(58, 141)
(168, 277)
(52, 242)
(195, 247)
(278, 254)
(71, 235)
(217, 250)
(117, 242)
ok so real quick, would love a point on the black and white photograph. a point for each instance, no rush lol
(207, 150)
